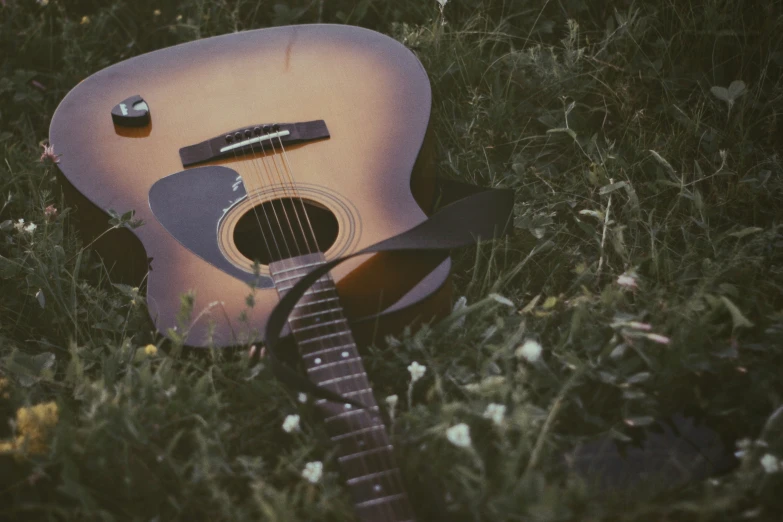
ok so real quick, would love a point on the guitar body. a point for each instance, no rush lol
(370, 179)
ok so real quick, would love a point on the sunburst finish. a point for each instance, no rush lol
(375, 99)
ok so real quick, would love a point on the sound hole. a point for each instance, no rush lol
(284, 228)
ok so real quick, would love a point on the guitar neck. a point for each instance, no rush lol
(332, 360)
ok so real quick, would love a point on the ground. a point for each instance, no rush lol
(643, 280)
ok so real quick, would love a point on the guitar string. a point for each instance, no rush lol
(292, 185)
(259, 177)
(272, 201)
(316, 248)
(286, 188)
(386, 458)
(286, 169)
(255, 211)
(331, 371)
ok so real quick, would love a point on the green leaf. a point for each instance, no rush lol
(736, 89)
(639, 421)
(746, 232)
(739, 320)
(29, 369)
(563, 130)
(660, 159)
(721, 93)
(8, 268)
(611, 188)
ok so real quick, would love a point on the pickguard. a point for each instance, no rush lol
(190, 205)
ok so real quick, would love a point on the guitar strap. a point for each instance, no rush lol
(470, 215)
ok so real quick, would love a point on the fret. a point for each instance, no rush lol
(371, 476)
(283, 271)
(322, 337)
(330, 349)
(314, 314)
(322, 279)
(365, 453)
(318, 325)
(283, 288)
(361, 439)
(350, 413)
(326, 366)
(360, 431)
(308, 303)
(346, 394)
(316, 291)
(381, 500)
(340, 379)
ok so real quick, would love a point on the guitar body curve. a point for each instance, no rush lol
(373, 174)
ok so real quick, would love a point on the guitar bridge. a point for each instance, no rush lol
(249, 140)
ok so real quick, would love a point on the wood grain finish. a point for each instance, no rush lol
(372, 93)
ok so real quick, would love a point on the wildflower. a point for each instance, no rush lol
(150, 349)
(302, 397)
(313, 471)
(85, 20)
(48, 154)
(50, 213)
(627, 280)
(495, 412)
(442, 3)
(30, 228)
(291, 423)
(43, 3)
(19, 225)
(391, 400)
(417, 371)
(156, 12)
(530, 350)
(33, 425)
(179, 18)
(459, 435)
(770, 463)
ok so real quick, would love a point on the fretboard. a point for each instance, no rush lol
(329, 352)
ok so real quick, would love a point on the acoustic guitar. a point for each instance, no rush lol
(252, 158)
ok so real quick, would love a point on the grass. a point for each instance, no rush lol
(643, 142)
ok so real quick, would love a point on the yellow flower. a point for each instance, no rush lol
(85, 20)
(33, 427)
(151, 349)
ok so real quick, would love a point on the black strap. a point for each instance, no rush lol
(479, 216)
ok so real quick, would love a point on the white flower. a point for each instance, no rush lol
(391, 400)
(291, 423)
(496, 412)
(302, 397)
(30, 228)
(442, 3)
(627, 280)
(459, 435)
(770, 463)
(530, 350)
(417, 371)
(19, 225)
(313, 471)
